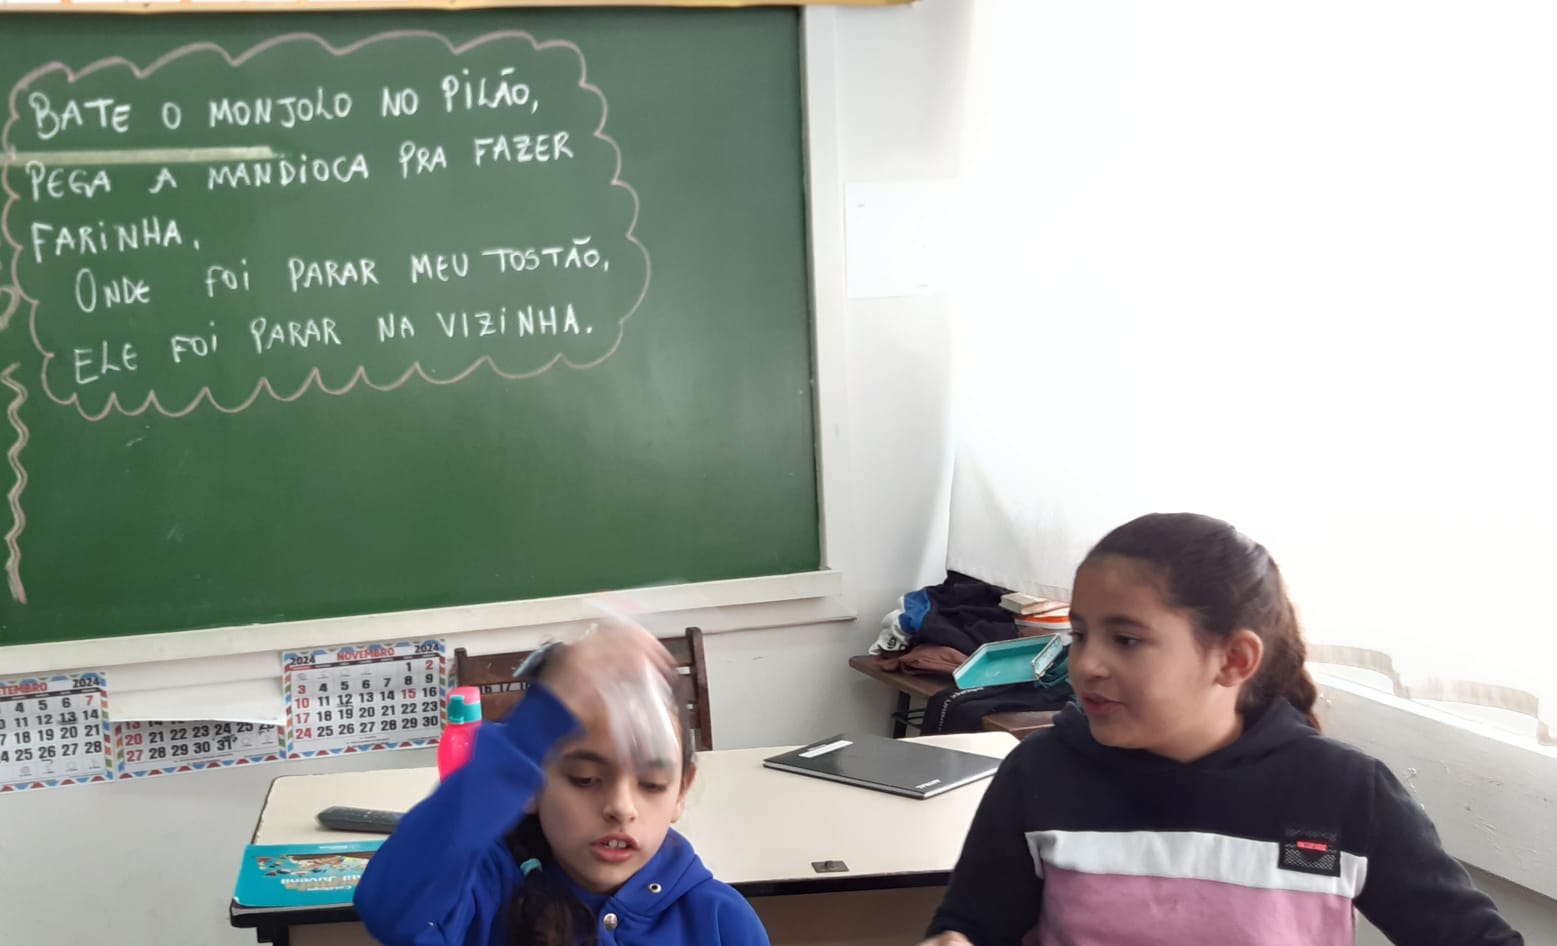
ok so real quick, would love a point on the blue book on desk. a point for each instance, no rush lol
(302, 875)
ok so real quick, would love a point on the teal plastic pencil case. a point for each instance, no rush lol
(1023, 660)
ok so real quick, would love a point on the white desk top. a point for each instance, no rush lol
(749, 824)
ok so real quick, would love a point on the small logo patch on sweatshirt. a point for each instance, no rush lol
(1310, 853)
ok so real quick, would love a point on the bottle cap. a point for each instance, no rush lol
(464, 705)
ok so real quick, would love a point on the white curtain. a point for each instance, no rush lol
(1291, 264)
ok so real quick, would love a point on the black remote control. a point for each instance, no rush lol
(370, 820)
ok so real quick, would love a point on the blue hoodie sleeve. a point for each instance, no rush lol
(738, 923)
(445, 876)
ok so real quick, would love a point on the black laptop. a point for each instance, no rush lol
(886, 765)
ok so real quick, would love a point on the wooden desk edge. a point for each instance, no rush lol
(913, 684)
(270, 920)
(245, 918)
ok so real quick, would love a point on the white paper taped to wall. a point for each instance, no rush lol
(238, 701)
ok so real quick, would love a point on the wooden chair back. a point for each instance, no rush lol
(493, 674)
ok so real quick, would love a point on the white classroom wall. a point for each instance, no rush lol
(153, 862)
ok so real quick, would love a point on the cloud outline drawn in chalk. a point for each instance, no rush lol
(314, 378)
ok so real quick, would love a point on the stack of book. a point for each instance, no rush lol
(1037, 616)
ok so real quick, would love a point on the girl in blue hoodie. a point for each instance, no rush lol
(548, 836)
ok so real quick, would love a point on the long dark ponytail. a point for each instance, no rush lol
(1229, 582)
(543, 912)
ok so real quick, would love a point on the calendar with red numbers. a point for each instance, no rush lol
(162, 747)
(54, 731)
(369, 696)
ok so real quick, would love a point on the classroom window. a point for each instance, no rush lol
(1288, 266)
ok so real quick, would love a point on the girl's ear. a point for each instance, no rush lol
(681, 800)
(1241, 656)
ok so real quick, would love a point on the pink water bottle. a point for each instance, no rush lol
(459, 736)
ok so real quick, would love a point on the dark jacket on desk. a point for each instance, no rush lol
(1268, 842)
(446, 876)
(965, 614)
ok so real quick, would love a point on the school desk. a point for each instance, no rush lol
(907, 686)
(770, 834)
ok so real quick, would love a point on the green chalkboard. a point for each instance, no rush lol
(324, 315)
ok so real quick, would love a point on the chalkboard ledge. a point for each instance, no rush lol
(734, 604)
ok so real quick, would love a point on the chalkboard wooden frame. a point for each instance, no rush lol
(303, 6)
(246, 652)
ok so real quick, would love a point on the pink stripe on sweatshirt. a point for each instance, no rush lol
(1117, 910)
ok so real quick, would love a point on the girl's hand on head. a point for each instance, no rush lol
(615, 652)
(949, 938)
